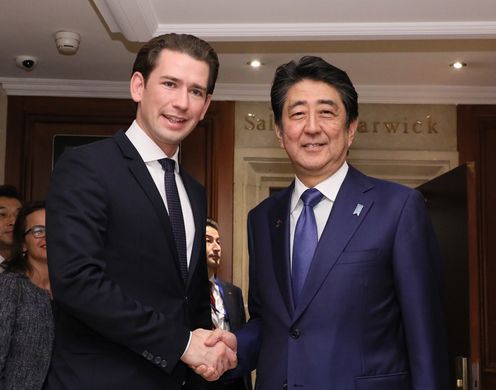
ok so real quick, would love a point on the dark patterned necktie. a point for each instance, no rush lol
(305, 240)
(175, 214)
(213, 307)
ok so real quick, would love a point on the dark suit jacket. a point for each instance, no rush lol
(124, 312)
(370, 315)
(233, 303)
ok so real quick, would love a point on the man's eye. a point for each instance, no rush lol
(169, 84)
(197, 92)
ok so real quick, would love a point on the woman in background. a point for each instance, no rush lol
(26, 319)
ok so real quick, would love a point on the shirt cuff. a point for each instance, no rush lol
(187, 345)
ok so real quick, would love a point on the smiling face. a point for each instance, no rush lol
(313, 131)
(35, 248)
(173, 99)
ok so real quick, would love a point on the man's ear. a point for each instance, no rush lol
(352, 131)
(137, 86)
(206, 105)
(279, 131)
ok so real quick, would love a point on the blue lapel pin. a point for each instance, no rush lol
(358, 209)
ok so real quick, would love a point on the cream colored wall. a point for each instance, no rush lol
(409, 144)
(3, 132)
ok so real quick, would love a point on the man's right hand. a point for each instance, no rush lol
(211, 359)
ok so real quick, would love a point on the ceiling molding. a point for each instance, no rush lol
(333, 31)
(397, 94)
(65, 88)
(426, 94)
(137, 21)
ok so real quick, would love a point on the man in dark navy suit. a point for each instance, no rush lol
(344, 268)
(126, 240)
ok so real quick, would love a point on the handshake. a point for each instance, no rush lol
(211, 353)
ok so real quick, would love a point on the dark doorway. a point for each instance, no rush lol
(448, 199)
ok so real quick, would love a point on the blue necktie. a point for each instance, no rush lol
(175, 214)
(305, 240)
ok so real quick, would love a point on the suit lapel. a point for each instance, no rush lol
(279, 233)
(230, 306)
(339, 229)
(142, 175)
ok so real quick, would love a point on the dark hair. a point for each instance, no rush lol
(18, 261)
(146, 60)
(213, 223)
(8, 191)
(316, 69)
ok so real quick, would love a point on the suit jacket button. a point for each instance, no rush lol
(157, 360)
(145, 354)
(294, 333)
(163, 363)
(285, 385)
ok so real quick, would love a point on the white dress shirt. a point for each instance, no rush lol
(329, 188)
(150, 152)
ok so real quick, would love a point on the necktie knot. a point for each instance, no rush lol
(168, 164)
(311, 197)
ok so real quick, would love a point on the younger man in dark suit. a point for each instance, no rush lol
(126, 239)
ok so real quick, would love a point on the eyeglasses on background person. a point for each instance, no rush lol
(38, 231)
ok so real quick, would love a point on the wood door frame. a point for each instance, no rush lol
(23, 111)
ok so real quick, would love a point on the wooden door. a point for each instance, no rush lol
(477, 142)
(450, 200)
(32, 123)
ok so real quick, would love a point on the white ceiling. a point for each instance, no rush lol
(393, 50)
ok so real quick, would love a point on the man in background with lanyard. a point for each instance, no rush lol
(226, 299)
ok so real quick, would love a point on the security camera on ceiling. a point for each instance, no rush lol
(28, 63)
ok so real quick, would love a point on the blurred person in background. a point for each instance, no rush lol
(27, 330)
(10, 203)
(226, 300)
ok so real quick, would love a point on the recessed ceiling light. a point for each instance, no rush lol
(458, 65)
(255, 63)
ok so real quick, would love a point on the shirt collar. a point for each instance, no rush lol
(146, 147)
(328, 187)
